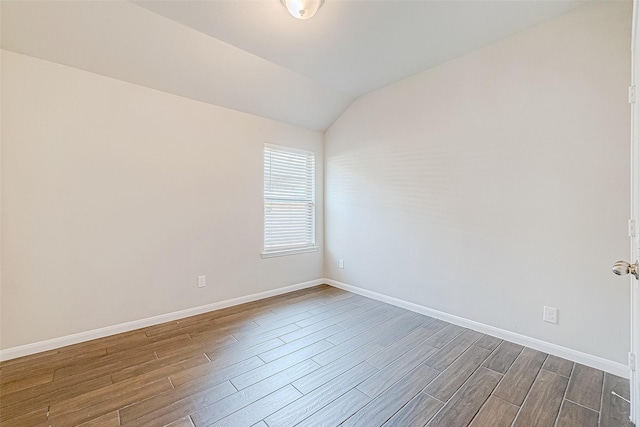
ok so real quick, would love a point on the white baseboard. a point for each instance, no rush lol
(52, 344)
(615, 368)
(606, 365)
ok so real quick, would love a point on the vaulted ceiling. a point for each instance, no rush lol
(252, 56)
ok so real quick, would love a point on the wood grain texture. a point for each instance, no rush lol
(502, 359)
(317, 327)
(558, 365)
(443, 387)
(236, 401)
(201, 377)
(256, 411)
(338, 411)
(25, 382)
(325, 374)
(495, 413)
(95, 404)
(44, 393)
(181, 401)
(381, 321)
(488, 342)
(443, 336)
(261, 372)
(451, 351)
(159, 368)
(322, 396)
(410, 323)
(302, 343)
(378, 411)
(413, 340)
(381, 313)
(615, 411)
(394, 371)
(108, 420)
(416, 413)
(14, 406)
(572, 415)
(468, 400)
(315, 357)
(585, 385)
(520, 376)
(541, 407)
(26, 419)
(230, 355)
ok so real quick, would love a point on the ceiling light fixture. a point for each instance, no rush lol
(302, 9)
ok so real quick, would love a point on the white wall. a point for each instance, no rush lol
(116, 197)
(496, 183)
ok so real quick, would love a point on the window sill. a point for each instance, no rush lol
(288, 252)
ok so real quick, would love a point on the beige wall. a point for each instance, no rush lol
(496, 183)
(116, 197)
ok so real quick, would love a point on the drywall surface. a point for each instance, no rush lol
(495, 184)
(116, 197)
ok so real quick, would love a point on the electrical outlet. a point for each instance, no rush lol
(550, 314)
(202, 281)
(341, 263)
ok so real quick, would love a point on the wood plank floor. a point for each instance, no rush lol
(316, 357)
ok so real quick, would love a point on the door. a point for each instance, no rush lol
(634, 229)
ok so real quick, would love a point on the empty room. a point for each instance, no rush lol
(358, 213)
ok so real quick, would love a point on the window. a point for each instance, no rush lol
(289, 201)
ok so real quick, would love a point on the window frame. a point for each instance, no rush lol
(291, 250)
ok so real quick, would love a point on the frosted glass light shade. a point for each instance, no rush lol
(302, 9)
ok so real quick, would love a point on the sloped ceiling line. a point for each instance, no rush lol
(252, 56)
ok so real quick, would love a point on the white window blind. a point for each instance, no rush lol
(289, 199)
